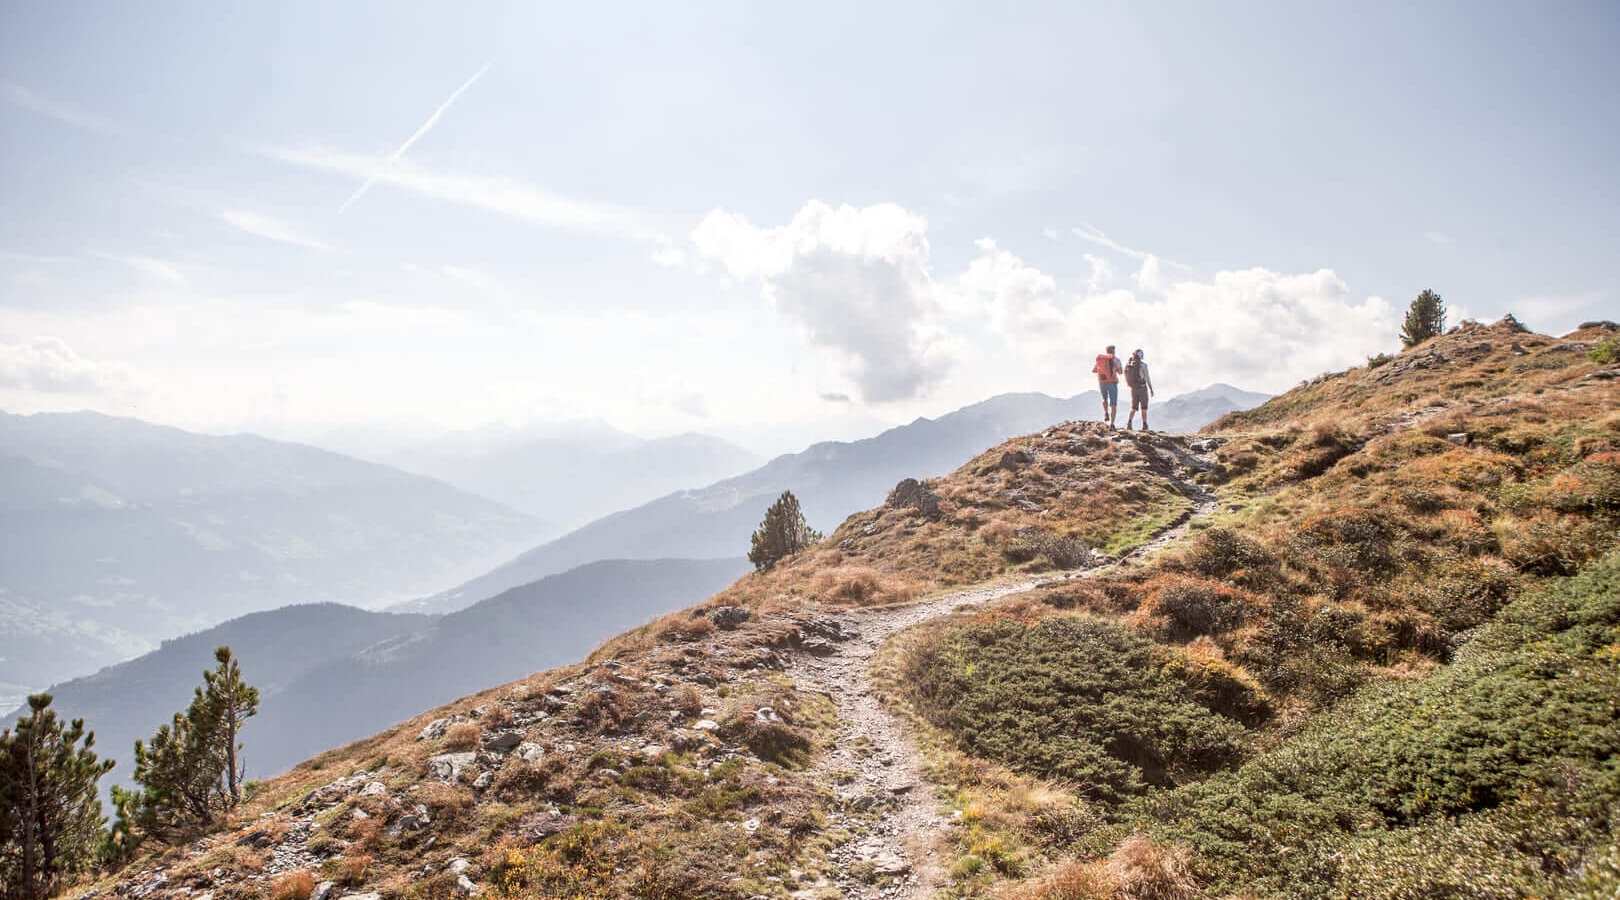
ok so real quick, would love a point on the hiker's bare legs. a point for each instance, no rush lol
(1131, 418)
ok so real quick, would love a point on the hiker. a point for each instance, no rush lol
(1108, 369)
(1136, 375)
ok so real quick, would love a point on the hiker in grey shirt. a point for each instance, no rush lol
(1136, 375)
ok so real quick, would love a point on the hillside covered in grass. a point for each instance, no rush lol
(1382, 663)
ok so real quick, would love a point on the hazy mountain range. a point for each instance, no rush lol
(831, 479)
(332, 673)
(116, 534)
(569, 473)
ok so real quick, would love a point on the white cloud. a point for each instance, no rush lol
(1151, 277)
(47, 363)
(269, 228)
(1049, 233)
(1256, 328)
(1096, 236)
(23, 98)
(150, 267)
(666, 254)
(856, 281)
(1102, 273)
(1440, 237)
(503, 196)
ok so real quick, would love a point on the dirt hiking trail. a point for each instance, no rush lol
(874, 765)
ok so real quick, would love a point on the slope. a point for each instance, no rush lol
(1410, 558)
(130, 700)
(552, 622)
(831, 479)
(116, 533)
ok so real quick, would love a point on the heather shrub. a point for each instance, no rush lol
(1501, 763)
(1068, 697)
(1194, 607)
(1222, 552)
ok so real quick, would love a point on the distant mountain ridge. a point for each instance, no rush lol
(569, 473)
(330, 674)
(116, 533)
(832, 479)
(128, 701)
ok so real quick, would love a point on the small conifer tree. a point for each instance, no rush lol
(50, 817)
(1425, 318)
(783, 533)
(190, 772)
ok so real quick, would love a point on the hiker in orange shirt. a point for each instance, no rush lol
(1108, 369)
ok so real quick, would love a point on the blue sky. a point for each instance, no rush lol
(771, 222)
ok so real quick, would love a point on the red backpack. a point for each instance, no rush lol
(1107, 367)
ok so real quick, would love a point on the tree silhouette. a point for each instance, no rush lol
(50, 817)
(190, 772)
(783, 533)
(1425, 318)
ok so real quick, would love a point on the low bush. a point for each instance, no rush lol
(1068, 697)
(1496, 770)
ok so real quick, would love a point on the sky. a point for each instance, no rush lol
(771, 222)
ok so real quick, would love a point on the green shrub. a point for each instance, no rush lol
(1606, 352)
(1501, 770)
(1069, 697)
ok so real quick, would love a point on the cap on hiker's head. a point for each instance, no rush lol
(1138, 353)
(1110, 348)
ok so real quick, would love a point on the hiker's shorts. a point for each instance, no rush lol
(1139, 398)
(1110, 392)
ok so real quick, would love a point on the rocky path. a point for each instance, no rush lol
(874, 765)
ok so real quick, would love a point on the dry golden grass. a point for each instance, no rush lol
(293, 886)
(464, 736)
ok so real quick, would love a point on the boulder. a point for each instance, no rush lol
(458, 866)
(448, 766)
(436, 729)
(530, 752)
(913, 494)
(728, 617)
(503, 742)
(465, 886)
(1012, 459)
(374, 789)
(323, 891)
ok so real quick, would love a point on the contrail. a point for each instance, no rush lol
(426, 127)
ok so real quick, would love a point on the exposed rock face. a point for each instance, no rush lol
(913, 494)
(501, 743)
(448, 766)
(728, 617)
(1014, 459)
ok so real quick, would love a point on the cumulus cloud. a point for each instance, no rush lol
(1255, 327)
(856, 280)
(48, 364)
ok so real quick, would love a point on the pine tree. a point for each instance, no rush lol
(1425, 318)
(50, 817)
(236, 702)
(783, 533)
(190, 772)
